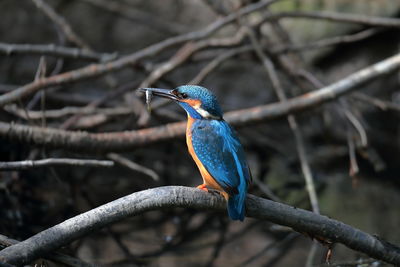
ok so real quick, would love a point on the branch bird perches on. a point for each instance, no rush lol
(134, 204)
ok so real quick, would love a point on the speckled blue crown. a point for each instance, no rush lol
(208, 99)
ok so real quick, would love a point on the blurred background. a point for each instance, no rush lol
(351, 145)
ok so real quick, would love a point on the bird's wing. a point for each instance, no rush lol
(219, 150)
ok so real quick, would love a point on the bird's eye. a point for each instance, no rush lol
(183, 95)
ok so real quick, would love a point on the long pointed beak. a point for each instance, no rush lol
(160, 92)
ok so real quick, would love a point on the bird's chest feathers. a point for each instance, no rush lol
(199, 135)
(196, 125)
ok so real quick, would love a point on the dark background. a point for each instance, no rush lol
(33, 200)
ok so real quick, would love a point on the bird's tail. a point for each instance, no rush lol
(236, 206)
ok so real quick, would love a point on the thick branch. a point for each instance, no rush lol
(127, 140)
(54, 256)
(31, 164)
(177, 196)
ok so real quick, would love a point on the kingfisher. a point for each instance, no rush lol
(213, 145)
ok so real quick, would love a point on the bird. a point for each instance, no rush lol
(213, 145)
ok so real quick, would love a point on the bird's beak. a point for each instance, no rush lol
(160, 92)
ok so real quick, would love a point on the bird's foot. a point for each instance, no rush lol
(202, 187)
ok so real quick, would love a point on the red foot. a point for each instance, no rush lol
(202, 187)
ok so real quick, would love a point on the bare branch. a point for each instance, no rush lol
(133, 166)
(127, 140)
(60, 22)
(30, 164)
(383, 105)
(340, 17)
(333, 41)
(354, 169)
(54, 256)
(54, 50)
(358, 126)
(66, 111)
(217, 61)
(177, 196)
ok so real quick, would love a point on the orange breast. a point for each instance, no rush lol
(207, 177)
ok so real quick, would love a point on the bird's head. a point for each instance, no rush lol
(199, 102)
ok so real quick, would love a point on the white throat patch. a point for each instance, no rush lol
(204, 113)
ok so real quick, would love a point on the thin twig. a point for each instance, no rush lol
(97, 102)
(31, 164)
(66, 111)
(204, 72)
(353, 170)
(177, 196)
(133, 166)
(265, 189)
(355, 263)
(383, 105)
(289, 238)
(223, 229)
(54, 50)
(333, 41)
(60, 22)
(358, 126)
(340, 17)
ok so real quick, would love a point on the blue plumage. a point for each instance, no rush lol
(218, 148)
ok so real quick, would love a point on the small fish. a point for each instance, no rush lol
(149, 96)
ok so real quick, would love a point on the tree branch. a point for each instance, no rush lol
(119, 141)
(31, 164)
(324, 43)
(133, 165)
(54, 256)
(66, 111)
(61, 23)
(177, 196)
(340, 17)
(54, 50)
